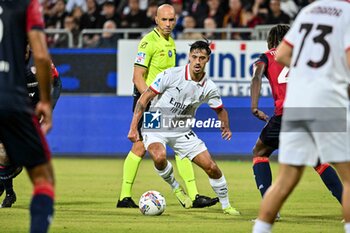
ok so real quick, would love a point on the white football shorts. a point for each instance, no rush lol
(184, 144)
(301, 143)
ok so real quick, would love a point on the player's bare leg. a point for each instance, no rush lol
(165, 170)
(217, 180)
(343, 170)
(276, 195)
(130, 168)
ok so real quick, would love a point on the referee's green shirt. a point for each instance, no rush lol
(156, 54)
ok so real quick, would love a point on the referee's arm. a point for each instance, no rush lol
(139, 78)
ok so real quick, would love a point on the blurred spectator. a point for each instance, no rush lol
(189, 23)
(152, 12)
(99, 4)
(180, 15)
(108, 39)
(249, 19)
(199, 10)
(71, 25)
(91, 20)
(144, 4)
(233, 19)
(124, 8)
(224, 5)
(109, 12)
(71, 4)
(216, 12)
(276, 15)
(136, 18)
(77, 13)
(50, 38)
(57, 15)
(290, 8)
(210, 24)
(261, 9)
(48, 11)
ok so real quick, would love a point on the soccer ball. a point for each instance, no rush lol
(152, 203)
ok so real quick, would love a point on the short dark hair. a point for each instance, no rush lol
(201, 44)
(276, 35)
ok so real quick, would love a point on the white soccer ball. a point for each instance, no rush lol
(152, 203)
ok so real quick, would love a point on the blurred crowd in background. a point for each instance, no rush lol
(77, 15)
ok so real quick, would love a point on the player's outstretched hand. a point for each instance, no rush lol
(44, 112)
(226, 133)
(133, 135)
(260, 114)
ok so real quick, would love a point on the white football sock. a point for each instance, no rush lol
(261, 227)
(168, 175)
(220, 188)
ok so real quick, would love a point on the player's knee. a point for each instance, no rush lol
(159, 159)
(213, 171)
(255, 151)
(138, 149)
(42, 173)
(261, 151)
(258, 149)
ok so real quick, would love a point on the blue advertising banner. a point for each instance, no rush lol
(86, 70)
(98, 126)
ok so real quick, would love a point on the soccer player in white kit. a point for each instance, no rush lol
(316, 109)
(177, 93)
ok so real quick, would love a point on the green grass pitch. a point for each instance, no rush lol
(87, 191)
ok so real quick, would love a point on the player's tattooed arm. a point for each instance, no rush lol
(140, 108)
